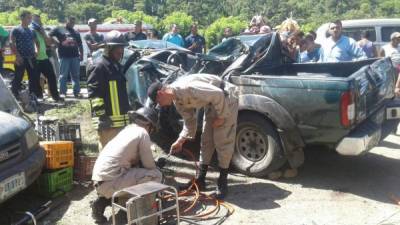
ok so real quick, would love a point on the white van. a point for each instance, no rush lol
(380, 29)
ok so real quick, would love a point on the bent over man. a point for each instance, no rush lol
(220, 103)
(117, 166)
(107, 90)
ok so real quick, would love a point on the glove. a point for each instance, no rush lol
(161, 162)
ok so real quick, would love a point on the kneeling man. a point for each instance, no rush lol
(117, 166)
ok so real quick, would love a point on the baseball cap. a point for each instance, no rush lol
(91, 20)
(395, 35)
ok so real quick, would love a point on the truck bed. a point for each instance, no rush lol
(313, 93)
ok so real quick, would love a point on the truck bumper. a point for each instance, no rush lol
(369, 133)
(31, 167)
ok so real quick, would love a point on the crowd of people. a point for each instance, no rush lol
(33, 48)
(123, 144)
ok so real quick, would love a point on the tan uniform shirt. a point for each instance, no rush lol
(123, 152)
(194, 92)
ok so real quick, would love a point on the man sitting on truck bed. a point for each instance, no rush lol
(339, 48)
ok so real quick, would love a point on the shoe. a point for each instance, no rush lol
(121, 218)
(201, 184)
(275, 175)
(290, 173)
(98, 206)
(200, 179)
(62, 96)
(222, 186)
(59, 100)
(78, 95)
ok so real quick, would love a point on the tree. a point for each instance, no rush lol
(183, 20)
(214, 33)
(12, 18)
(130, 17)
(85, 11)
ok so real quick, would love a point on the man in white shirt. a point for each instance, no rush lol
(393, 47)
(118, 165)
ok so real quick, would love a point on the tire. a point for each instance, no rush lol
(258, 149)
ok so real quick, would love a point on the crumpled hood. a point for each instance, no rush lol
(11, 128)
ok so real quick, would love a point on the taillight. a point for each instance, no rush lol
(347, 109)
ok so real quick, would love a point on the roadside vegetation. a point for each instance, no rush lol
(210, 15)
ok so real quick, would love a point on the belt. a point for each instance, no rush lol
(222, 86)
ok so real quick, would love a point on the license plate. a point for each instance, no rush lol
(12, 185)
(392, 113)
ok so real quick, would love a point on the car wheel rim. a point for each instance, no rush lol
(252, 144)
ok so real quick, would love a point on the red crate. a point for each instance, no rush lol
(83, 167)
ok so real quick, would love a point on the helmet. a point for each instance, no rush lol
(146, 113)
(115, 38)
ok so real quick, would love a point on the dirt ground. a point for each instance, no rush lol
(330, 189)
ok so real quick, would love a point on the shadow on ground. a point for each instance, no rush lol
(371, 176)
(242, 195)
(13, 210)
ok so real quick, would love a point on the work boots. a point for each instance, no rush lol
(200, 179)
(222, 185)
(98, 206)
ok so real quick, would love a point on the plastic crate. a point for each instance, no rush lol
(59, 154)
(83, 167)
(56, 183)
(50, 129)
(47, 128)
(70, 132)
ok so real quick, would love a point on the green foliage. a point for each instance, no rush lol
(214, 33)
(84, 11)
(12, 18)
(183, 20)
(310, 14)
(130, 17)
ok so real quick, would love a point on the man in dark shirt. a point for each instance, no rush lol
(137, 34)
(70, 51)
(195, 42)
(23, 46)
(92, 38)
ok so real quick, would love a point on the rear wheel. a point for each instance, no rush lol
(257, 147)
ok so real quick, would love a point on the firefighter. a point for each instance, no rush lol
(220, 102)
(117, 166)
(107, 90)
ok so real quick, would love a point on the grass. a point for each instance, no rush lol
(79, 112)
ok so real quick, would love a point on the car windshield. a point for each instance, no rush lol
(7, 101)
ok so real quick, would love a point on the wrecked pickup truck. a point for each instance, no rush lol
(283, 106)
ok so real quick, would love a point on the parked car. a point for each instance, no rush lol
(284, 107)
(21, 158)
(380, 30)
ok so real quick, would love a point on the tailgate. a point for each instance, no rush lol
(373, 85)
